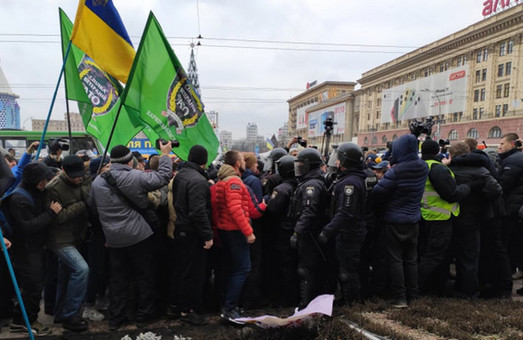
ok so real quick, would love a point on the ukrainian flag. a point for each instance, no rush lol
(100, 33)
(270, 146)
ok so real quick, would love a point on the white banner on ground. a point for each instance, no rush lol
(322, 304)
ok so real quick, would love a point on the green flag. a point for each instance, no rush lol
(97, 94)
(160, 94)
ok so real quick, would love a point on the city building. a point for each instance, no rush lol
(225, 139)
(309, 110)
(252, 133)
(59, 125)
(471, 82)
(9, 109)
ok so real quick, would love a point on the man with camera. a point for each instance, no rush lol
(119, 198)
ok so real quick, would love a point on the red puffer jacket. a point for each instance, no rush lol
(232, 207)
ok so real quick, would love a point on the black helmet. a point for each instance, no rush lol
(285, 166)
(308, 159)
(349, 154)
(273, 157)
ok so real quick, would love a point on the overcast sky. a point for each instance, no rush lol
(245, 81)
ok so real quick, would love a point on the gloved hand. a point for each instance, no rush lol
(294, 241)
(323, 239)
(477, 184)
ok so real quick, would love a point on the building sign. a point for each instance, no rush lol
(317, 119)
(440, 93)
(491, 6)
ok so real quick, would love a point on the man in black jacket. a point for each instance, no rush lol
(193, 233)
(439, 204)
(511, 180)
(29, 217)
(468, 167)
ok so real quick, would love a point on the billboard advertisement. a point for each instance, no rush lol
(316, 119)
(301, 116)
(440, 93)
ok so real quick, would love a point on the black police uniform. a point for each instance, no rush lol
(309, 208)
(348, 226)
(282, 260)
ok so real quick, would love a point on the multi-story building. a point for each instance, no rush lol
(60, 125)
(225, 139)
(9, 108)
(471, 82)
(310, 109)
(252, 133)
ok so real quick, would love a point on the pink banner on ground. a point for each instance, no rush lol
(322, 304)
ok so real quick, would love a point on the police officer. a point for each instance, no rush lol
(309, 211)
(273, 179)
(281, 259)
(348, 224)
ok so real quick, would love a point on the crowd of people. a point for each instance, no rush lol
(126, 240)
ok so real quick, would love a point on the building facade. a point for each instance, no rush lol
(471, 82)
(60, 125)
(9, 108)
(252, 133)
(309, 110)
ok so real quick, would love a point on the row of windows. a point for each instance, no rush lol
(494, 132)
(507, 68)
(502, 90)
(505, 47)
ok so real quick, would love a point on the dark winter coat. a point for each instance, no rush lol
(478, 205)
(278, 206)
(444, 184)
(511, 179)
(192, 201)
(310, 203)
(400, 190)
(254, 183)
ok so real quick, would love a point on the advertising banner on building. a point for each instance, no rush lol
(316, 119)
(301, 116)
(437, 94)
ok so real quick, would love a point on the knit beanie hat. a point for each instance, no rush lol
(121, 154)
(198, 155)
(95, 164)
(429, 147)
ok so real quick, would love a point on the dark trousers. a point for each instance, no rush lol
(133, 261)
(512, 235)
(97, 259)
(466, 241)
(379, 277)
(29, 270)
(402, 248)
(348, 251)
(312, 269)
(6, 289)
(238, 265)
(434, 241)
(192, 271)
(252, 292)
(50, 283)
(494, 264)
(283, 276)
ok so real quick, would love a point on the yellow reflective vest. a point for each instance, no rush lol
(433, 207)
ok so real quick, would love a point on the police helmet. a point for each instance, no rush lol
(273, 157)
(349, 155)
(285, 166)
(308, 159)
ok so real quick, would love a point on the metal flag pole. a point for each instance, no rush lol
(52, 101)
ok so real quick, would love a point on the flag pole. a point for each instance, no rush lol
(110, 136)
(53, 100)
(13, 278)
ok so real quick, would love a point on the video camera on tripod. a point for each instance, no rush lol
(417, 127)
(328, 124)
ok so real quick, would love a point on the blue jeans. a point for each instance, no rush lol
(239, 265)
(72, 282)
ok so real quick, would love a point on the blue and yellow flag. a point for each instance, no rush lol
(100, 33)
(270, 145)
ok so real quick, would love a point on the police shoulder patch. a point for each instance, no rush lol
(274, 194)
(349, 190)
(309, 191)
(235, 186)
